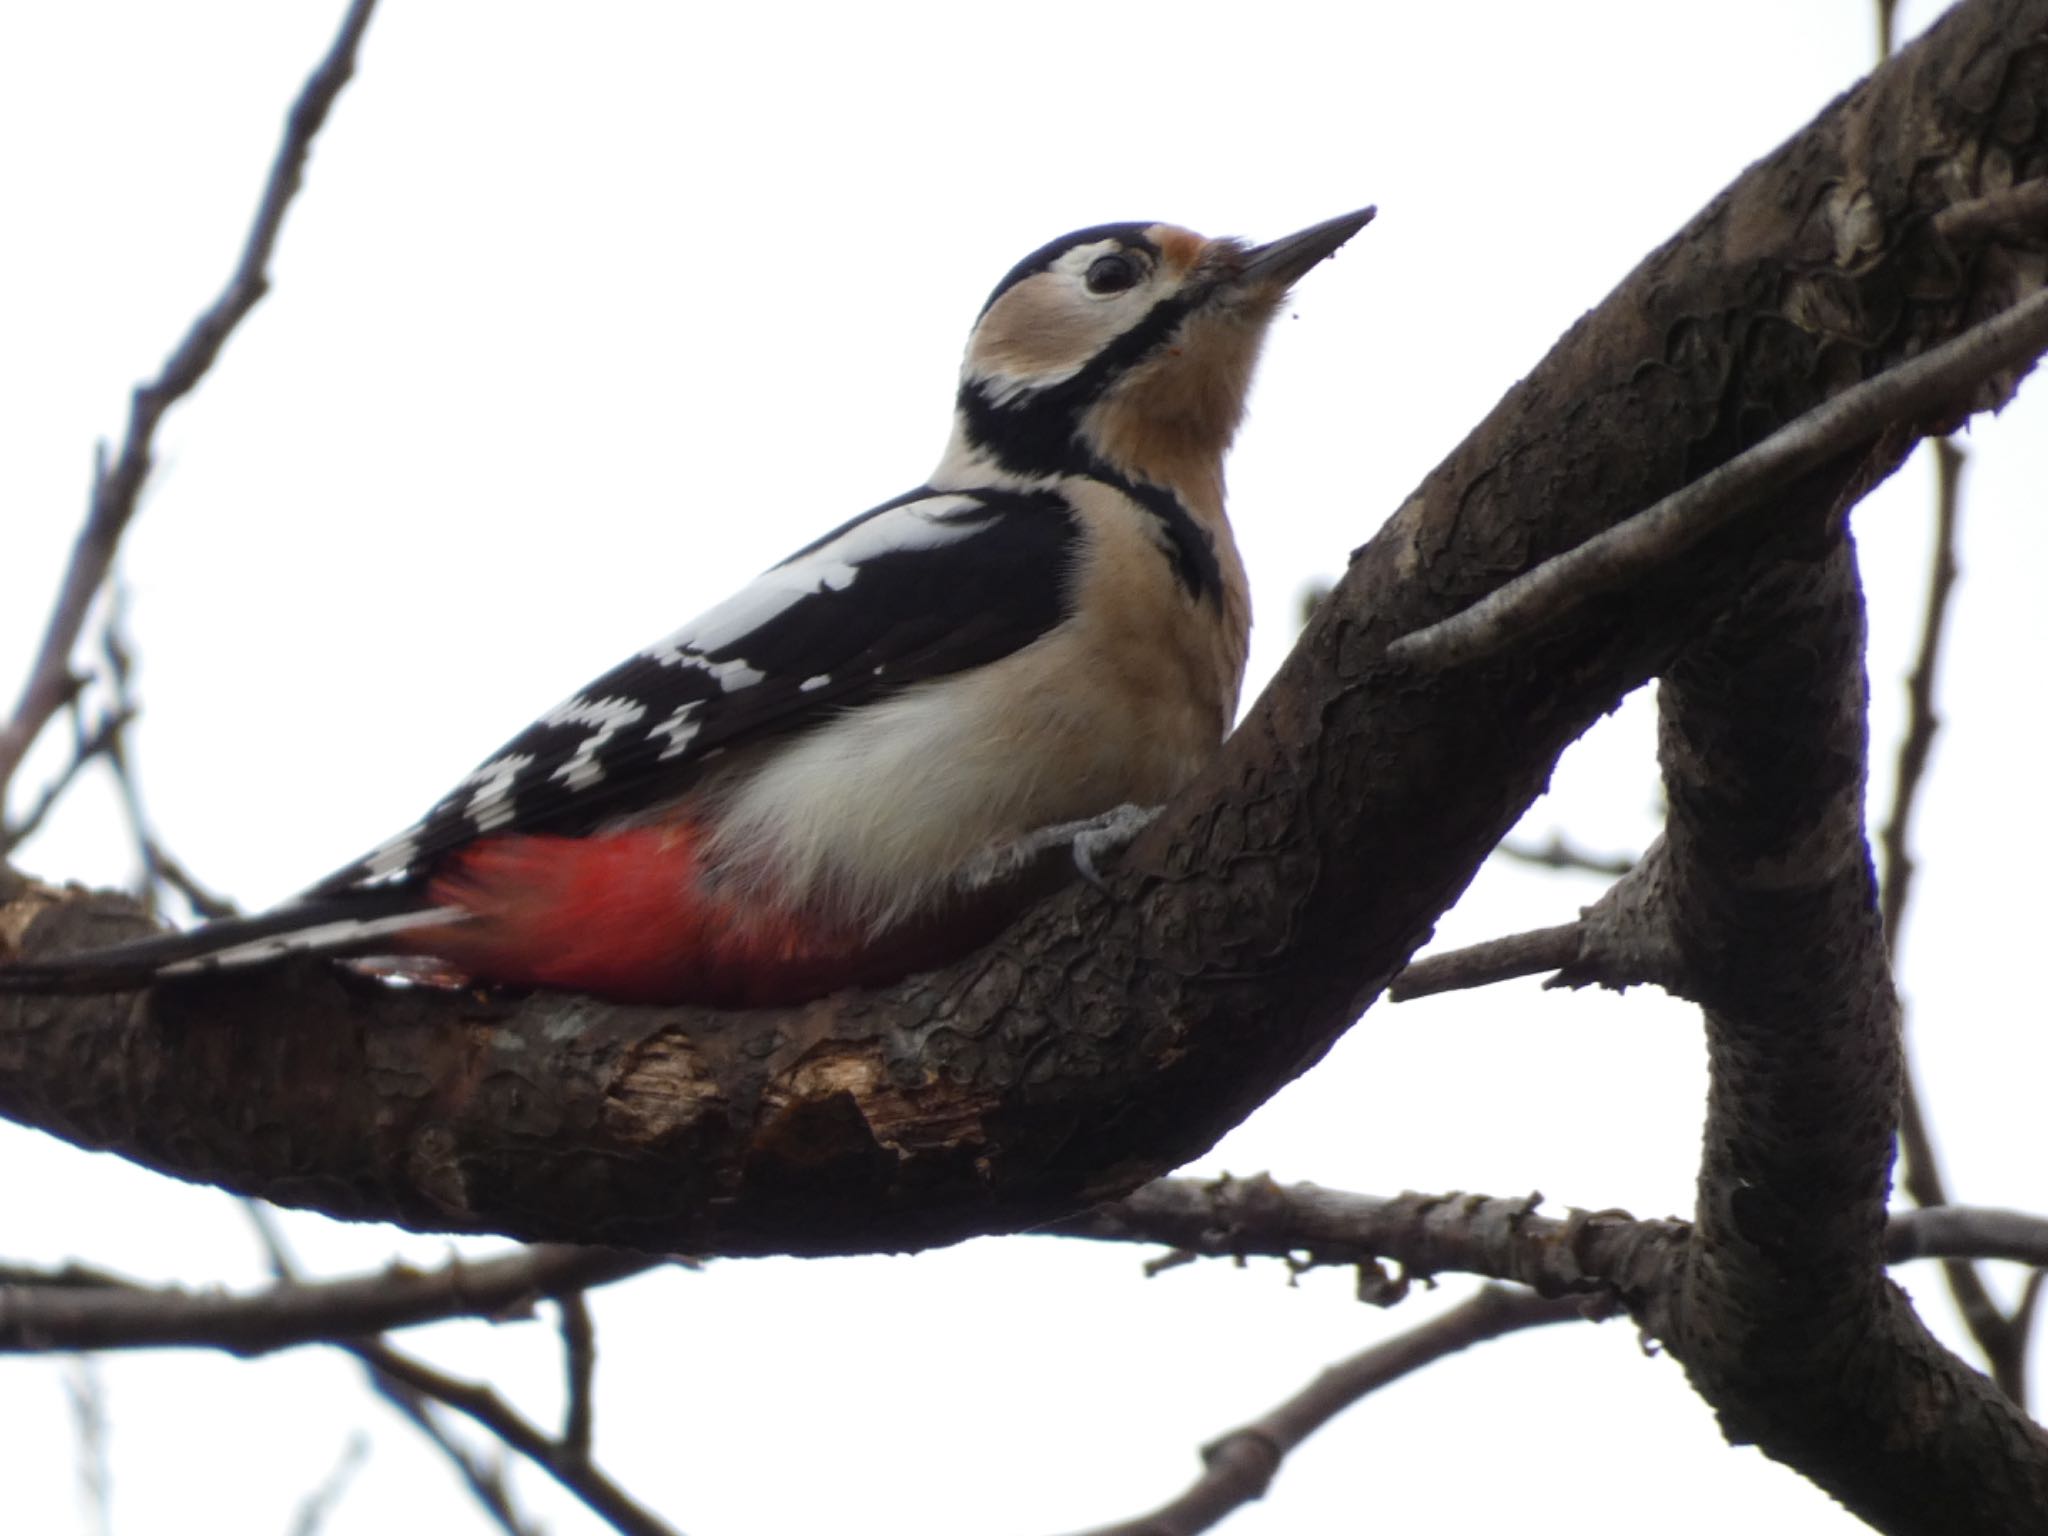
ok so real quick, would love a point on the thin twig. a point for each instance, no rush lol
(116, 487)
(172, 875)
(160, 872)
(1483, 964)
(317, 1505)
(1559, 854)
(1625, 939)
(579, 1364)
(1918, 391)
(85, 748)
(485, 1480)
(481, 1404)
(57, 1312)
(88, 1398)
(410, 1385)
(1962, 1231)
(2002, 1338)
(1922, 721)
(1239, 1466)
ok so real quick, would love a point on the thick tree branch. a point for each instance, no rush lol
(1784, 1320)
(117, 485)
(1108, 1037)
(1913, 396)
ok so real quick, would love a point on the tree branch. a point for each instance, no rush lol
(574, 1472)
(2002, 1339)
(116, 486)
(1579, 1254)
(1913, 396)
(1109, 1037)
(66, 1310)
(1785, 1323)
(1237, 1467)
(1556, 853)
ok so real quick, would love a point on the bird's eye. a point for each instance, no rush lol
(1112, 274)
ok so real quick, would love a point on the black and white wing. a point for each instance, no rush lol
(925, 585)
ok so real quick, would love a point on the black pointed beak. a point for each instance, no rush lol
(1281, 262)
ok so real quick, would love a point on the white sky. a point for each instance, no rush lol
(586, 315)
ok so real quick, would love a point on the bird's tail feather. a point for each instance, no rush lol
(345, 923)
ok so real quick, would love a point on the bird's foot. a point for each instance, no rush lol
(1089, 842)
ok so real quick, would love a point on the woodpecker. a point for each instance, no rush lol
(820, 781)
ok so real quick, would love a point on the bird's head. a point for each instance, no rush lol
(1127, 345)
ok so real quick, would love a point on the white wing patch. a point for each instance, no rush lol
(491, 806)
(604, 718)
(759, 661)
(831, 567)
(680, 728)
(394, 857)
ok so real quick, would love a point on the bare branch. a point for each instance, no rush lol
(1559, 854)
(412, 1387)
(1237, 1467)
(484, 1479)
(1895, 876)
(117, 486)
(1927, 388)
(85, 748)
(2018, 211)
(61, 1313)
(1969, 1232)
(317, 1505)
(1623, 940)
(1581, 1254)
(598, 1492)
(1498, 1239)
(579, 1363)
(1483, 964)
(87, 1395)
(2003, 1344)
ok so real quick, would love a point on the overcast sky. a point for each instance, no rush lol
(587, 314)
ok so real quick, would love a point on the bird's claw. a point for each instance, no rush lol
(1106, 834)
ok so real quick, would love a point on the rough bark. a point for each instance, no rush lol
(1106, 1038)
(1783, 1317)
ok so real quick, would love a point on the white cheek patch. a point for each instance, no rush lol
(1049, 327)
